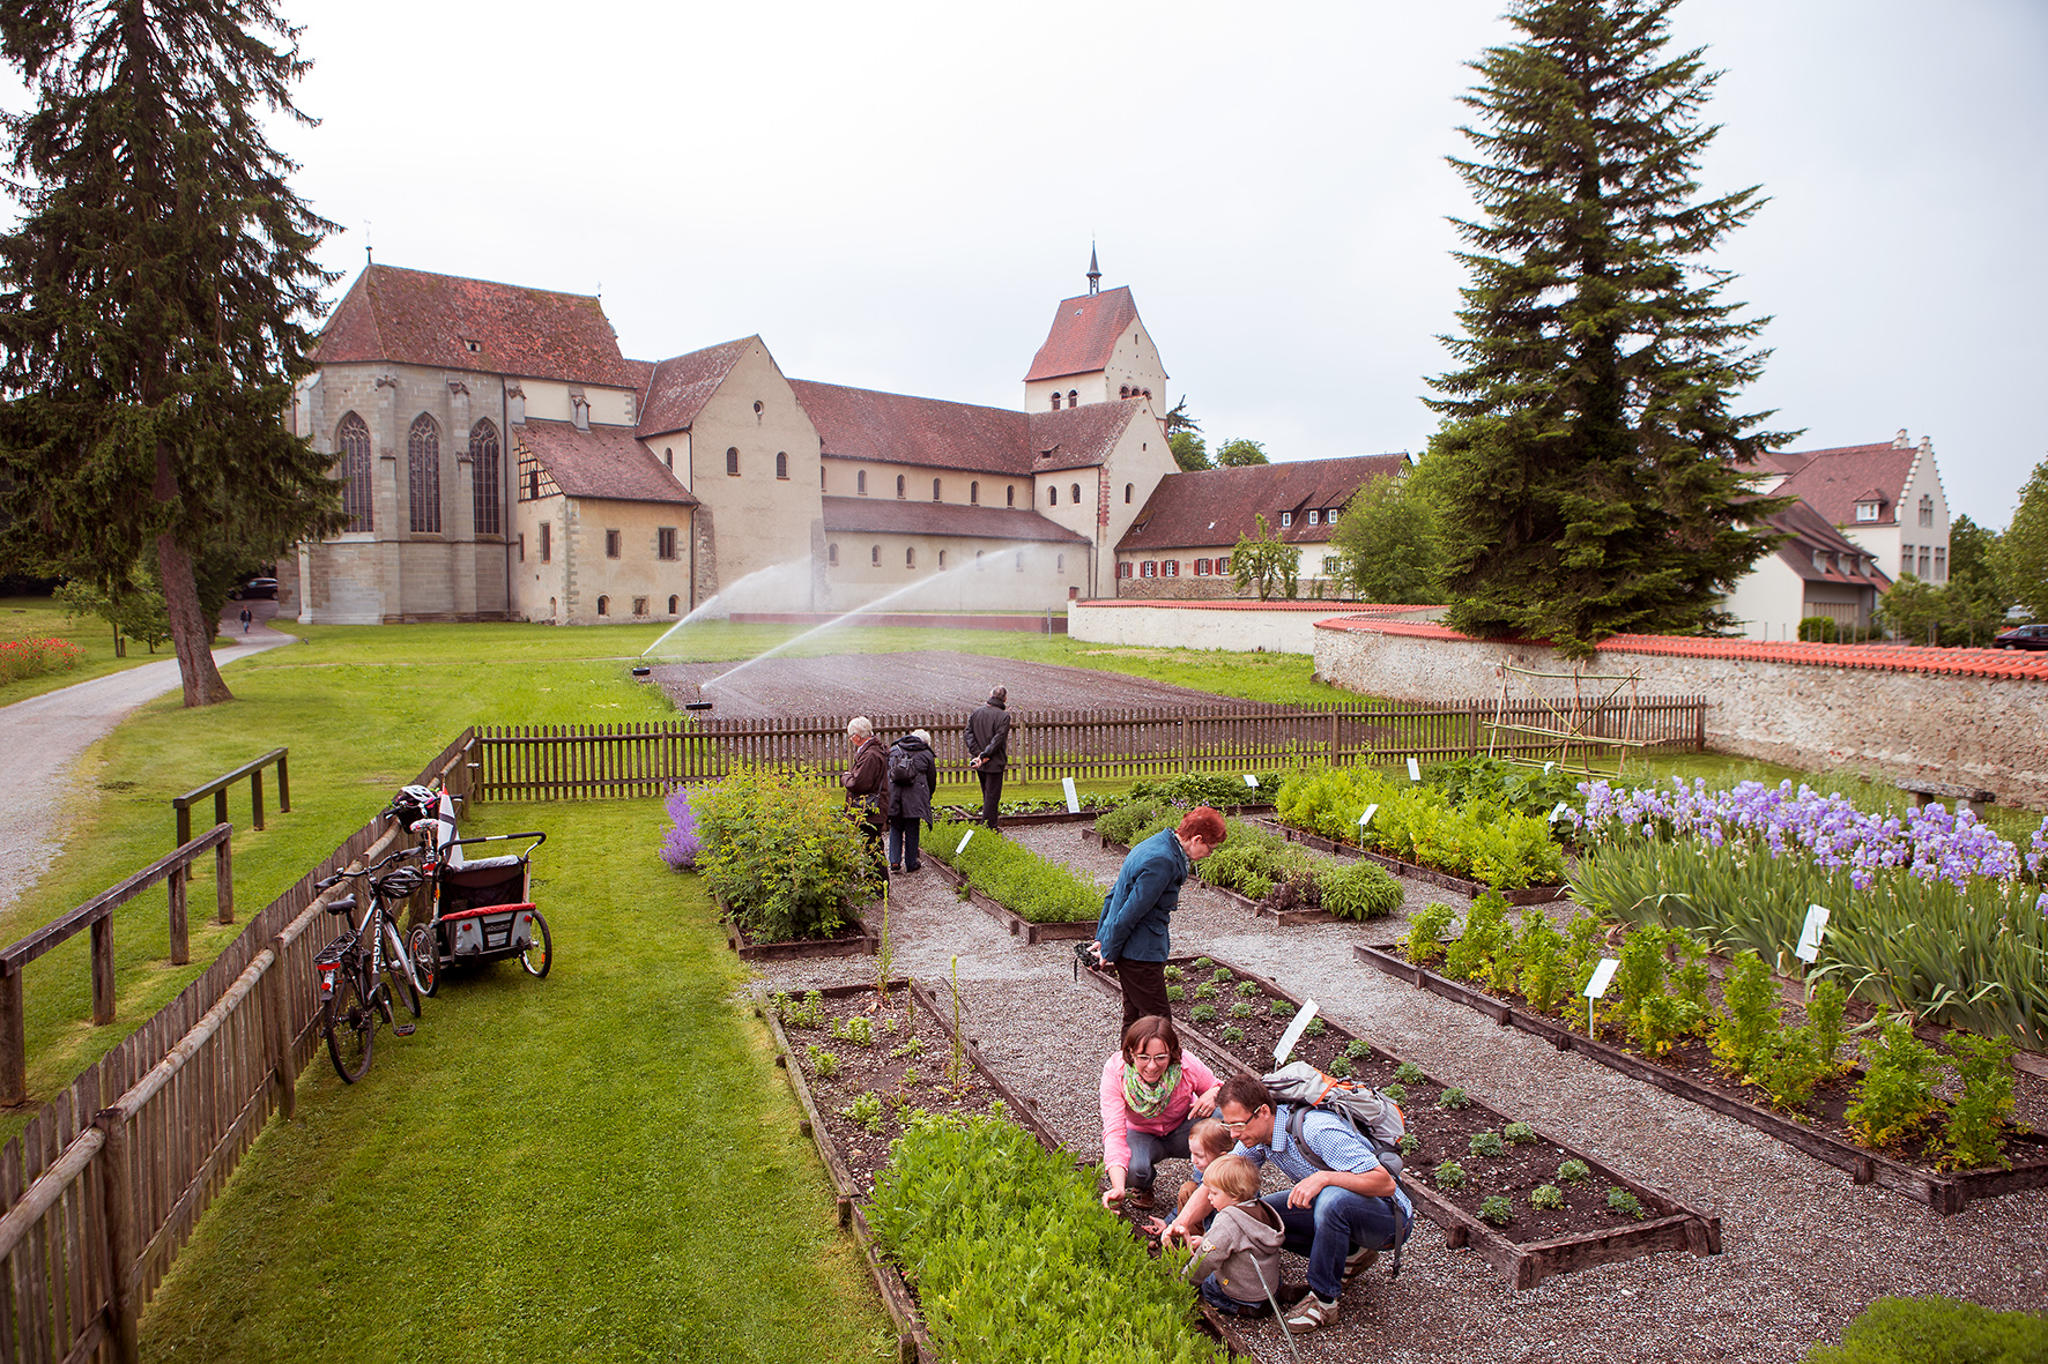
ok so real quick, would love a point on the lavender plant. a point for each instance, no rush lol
(679, 848)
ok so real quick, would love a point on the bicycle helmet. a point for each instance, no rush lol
(413, 804)
(400, 883)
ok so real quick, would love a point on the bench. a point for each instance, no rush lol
(1923, 791)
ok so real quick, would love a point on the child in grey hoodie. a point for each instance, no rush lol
(1241, 1247)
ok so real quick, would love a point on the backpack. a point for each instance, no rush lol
(1371, 1114)
(902, 767)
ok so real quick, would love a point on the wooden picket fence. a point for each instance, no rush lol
(583, 762)
(103, 1187)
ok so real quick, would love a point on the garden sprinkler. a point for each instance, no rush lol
(700, 703)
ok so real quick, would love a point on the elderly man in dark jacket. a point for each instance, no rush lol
(913, 772)
(988, 741)
(867, 772)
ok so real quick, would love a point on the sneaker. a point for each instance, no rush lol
(1135, 1197)
(1358, 1261)
(895, 870)
(1310, 1313)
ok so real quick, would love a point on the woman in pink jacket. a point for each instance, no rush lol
(1151, 1096)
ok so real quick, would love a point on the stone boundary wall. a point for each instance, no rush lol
(1284, 627)
(1972, 721)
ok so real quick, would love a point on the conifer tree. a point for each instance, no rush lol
(1594, 470)
(154, 297)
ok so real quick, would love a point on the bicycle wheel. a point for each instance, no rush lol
(426, 960)
(540, 953)
(350, 1026)
(401, 987)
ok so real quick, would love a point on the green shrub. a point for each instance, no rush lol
(1819, 629)
(782, 853)
(1911, 1330)
(1496, 1209)
(973, 1210)
(1546, 1196)
(1356, 890)
(1540, 961)
(1426, 929)
(1032, 887)
(1897, 1093)
(1787, 1066)
(1975, 1132)
(1128, 824)
(1516, 787)
(1485, 931)
(1749, 1011)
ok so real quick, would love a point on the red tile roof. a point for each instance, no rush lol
(678, 387)
(1807, 532)
(1901, 658)
(604, 462)
(888, 516)
(1324, 608)
(1079, 437)
(1834, 480)
(1217, 506)
(861, 423)
(412, 317)
(1083, 335)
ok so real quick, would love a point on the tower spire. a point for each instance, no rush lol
(1094, 271)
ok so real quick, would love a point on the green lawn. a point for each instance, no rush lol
(601, 1165)
(43, 618)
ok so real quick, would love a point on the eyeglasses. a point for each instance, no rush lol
(1235, 1127)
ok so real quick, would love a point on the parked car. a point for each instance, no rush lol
(2024, 637)
(265, 588)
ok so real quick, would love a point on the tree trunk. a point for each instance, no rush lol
(191, 632)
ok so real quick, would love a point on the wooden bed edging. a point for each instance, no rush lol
(1063, 930)
(1676, 1225)
(1286, 918)
(861, 944)
(1533, 895)
(1946, 1193)
(913, 1343)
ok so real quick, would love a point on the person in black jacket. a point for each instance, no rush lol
(867, 776)
(913, 772)
(988, 738)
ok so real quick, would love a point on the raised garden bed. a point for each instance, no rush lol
(855, 940)
(854, 1151)
(1689, 1074)
(1532, 895)
(1062, 815)
(1537, 1243)
(1069, 930)
(1284, 917)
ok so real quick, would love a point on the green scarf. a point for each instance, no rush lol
(1147, 1101)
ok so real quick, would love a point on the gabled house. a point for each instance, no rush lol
(1815, 570)
(1887, 498)
(1180, 542)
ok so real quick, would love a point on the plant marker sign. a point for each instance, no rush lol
(1285, 1046)
(1603, 976)
(1414, 770)
(1251, 780)
(1816, 924)
(1558, 811)
(1366, 818)
(1547, 766)
(1073, 797)
(963, 842)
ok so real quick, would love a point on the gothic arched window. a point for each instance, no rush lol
(1077, 494)
(423, 474)
(900, 487)
(1055, 402)
(353, 440)
(1073, 397)
(935, 490)
(974, 493)
(782, 464)
(483, 477)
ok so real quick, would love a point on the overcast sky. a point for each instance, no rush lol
(896, 195)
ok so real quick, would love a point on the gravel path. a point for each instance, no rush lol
(1804, 1249)
(42, 739)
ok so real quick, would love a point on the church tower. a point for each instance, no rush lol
(1097, 351)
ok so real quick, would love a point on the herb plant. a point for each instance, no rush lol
(1622, 1201)
(1485, 926)
(1223, 975)
(1176, 993)
(1749, 1011)
(1232, 1034)
(1409, 1144)
(1202, 1013)
(1541, 962)
(1205, 992)
(1572, 1171)
(1519, 1134)
(1282, 1009)
(1033, 887)
(825, 1063)
(1453, 1097)
(1496, 1209)
(781, 853)
(1341, 1067)
(1248, 988)
(1450, 1175)
(857, 1030)
(1201, 964)
(1244, 1008)
(1408, 1073)
(1426, 930)
(865, 1112)
(1316, 1027)
(1897, 1093)
(1975, 1132)
(1488, 1143)
(808, 1014)
(1173, 973)
(1395, 1092)
(1546, 1196)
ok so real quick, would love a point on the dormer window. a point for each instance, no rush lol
(1820, 562)
(1867, 511)
(1286, 519)
(1313, 516)
(474, 347)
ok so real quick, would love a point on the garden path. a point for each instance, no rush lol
(1805, 1249)
(43, 738)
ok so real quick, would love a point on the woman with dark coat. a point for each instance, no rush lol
(913, 774)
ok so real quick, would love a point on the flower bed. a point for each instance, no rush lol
(34, 656)
(1261, 872)
(783, 857)
(995, 874)
(1584, 1229)
(917, 1089)
(1726, 1047)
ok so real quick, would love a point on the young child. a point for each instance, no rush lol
(1207, 1140)
(1241, 1248)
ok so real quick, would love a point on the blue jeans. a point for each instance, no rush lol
(1214, 1294)
(903, 843)
(1148, 1149)
(1326, 1232)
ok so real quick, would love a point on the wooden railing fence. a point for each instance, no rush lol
(279, 758)
(571, 762)
(103, 1187)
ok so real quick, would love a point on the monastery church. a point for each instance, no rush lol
(503, 460)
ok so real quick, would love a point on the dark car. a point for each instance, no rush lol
(2024, 637)
(265, 588)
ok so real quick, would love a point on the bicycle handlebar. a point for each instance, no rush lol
(394, 855)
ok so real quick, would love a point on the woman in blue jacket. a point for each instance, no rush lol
(1132, 933)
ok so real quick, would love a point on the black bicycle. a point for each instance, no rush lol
(366, 966)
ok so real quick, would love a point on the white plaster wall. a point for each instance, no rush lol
(993, 583)
(548, 400)
(955, 485)
(1190, 627)
(1938, 726)
(1768, 600)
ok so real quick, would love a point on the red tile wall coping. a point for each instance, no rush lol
(1904, 658)
(1332, 609)
(1022, 624)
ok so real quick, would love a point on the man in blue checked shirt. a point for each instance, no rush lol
(1343, 1209)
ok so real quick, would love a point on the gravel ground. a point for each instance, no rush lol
(1804, 1249)
(873, 684)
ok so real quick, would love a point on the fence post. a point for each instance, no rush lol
(255, 797)
(220, 813)
(103, 968)
(117, 1182)
(13, 1044)
(224, 880)
(1187, 761)
(184, 813)
(284, 787)
(284, 1061)
(181, 936)
(1699, 738)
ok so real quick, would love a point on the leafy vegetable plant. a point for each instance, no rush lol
(1248, 988)
(1546, 1196)
(1488, 1143)
(1976, 1128)
(1519, 1134)
(1897, 1093)
(1408, 1073)
(1453, 1097)
(865, 1112)
(1572, 1171)
(1450, 1175)
(1203, 1013)
(1622, 1201)
(1496, 1209)
(1232, 1034)
(1244, 1008)
(825, 1063)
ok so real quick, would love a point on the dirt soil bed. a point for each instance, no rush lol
(926, 680)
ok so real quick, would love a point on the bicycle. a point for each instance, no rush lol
(365, 966)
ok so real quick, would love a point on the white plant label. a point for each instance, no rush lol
(1414, 770)
(1816, 924)
(963, 842)
(1547, 766)
(1073, 797)
(1285, 1045)
(1366, 818)
(1558, 812)
(1251, 780)
(1603, 976)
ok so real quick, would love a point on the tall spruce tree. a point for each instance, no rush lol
(1594, 473)
(154, 297)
